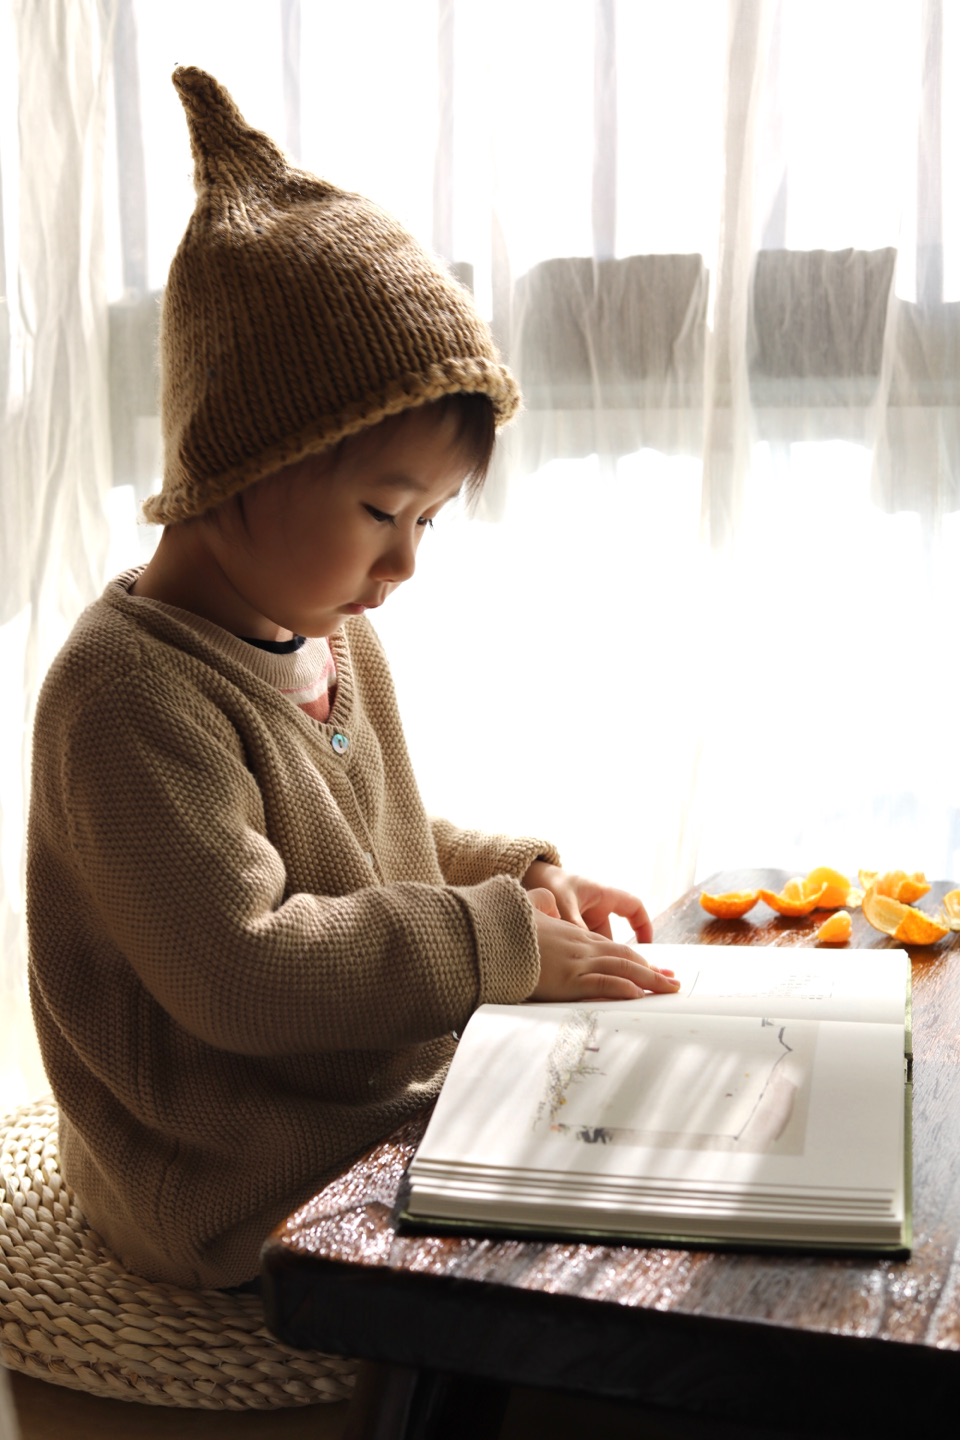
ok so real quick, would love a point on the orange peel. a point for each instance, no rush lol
(896, 884)
(836, 929)
(901, 921)
(948, 914)
(794, 899)
(729, 906)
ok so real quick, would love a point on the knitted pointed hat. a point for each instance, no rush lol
(295, 314)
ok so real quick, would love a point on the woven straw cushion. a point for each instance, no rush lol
(70, 1313)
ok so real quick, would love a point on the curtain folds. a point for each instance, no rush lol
(55, 462)
(718, 243)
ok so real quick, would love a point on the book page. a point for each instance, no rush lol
(751, 1097)
(632, 1096)
(797, 981)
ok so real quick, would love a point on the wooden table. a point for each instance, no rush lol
(704, 1342)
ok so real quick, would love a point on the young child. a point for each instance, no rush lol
(251, 950)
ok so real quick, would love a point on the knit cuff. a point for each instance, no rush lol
(508, 960)
(468, 857)
(519, 855)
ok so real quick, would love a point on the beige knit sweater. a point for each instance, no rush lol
(248, 951)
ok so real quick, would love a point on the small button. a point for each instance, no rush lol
(340, 743)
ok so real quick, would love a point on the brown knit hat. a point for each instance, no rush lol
(295, 314)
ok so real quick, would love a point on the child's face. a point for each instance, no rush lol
(326, 538)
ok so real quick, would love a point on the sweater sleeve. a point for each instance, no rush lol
(467, 857)
(154, 844)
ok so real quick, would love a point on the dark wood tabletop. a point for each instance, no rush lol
(775, 1342)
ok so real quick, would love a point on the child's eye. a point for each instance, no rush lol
(380, 516)
(427, 521)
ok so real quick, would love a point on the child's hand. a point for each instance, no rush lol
(577, 964)
(587, 904)
(579, 961)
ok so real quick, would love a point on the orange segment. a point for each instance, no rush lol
(731, 905)
(903, 922)
(949, 910)
(792, 900)
(836, 929)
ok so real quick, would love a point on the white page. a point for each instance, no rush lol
(723, 1102)
(740, 980)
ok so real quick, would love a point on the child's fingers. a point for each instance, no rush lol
(616, 971)
(607, 987)
(544, 901)
(619, 902)
(568, 904)
(635, 913)
(568, 909)
(578, 965)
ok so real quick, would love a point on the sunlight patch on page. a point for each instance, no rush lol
(752, 1099)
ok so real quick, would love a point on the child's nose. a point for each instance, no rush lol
(398, 562)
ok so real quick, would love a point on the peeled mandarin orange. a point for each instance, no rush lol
(909, 887)
(897, 884)
(949, 910)
(838, 889)
(792, 900)
(901, 921)
(836, 929)
(731, 905)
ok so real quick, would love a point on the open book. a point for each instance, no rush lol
(765, 1104)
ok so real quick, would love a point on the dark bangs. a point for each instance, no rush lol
(473, 415)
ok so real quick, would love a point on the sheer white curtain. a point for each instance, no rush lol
(706, 615)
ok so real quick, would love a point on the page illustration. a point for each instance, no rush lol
(613, 1081)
